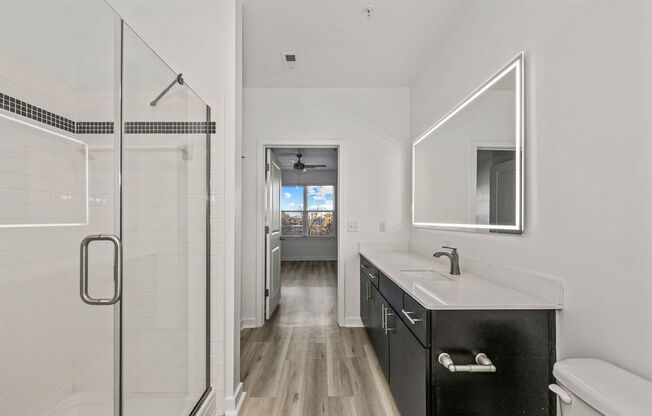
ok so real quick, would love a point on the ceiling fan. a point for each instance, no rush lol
(302, 167)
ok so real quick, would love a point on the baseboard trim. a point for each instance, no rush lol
(353, 322)
(248, 323)
(232, 405)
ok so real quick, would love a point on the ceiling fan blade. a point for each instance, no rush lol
(315, 166)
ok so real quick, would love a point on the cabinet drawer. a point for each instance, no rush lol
(391, 292)
(417, 318)
(369, 270)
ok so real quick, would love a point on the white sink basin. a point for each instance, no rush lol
(426, 274)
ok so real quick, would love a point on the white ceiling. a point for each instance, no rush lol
(337, 45)
(287, 157)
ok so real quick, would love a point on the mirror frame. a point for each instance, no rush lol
(516, 64)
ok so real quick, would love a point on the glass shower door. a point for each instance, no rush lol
(103, 219)
(58, 185)
(164, 233)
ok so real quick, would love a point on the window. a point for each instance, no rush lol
(308, 210)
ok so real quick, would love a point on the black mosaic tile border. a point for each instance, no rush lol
(167, 127)
(94, 127)
(24, 109)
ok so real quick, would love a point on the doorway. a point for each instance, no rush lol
(300, 222)
(303, 360)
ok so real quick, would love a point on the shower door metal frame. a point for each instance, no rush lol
(208, 389)
(118, 403)
(118, 393)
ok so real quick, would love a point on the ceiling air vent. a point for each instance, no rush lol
(289, 60)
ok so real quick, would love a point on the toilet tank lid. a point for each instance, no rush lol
(607, 388)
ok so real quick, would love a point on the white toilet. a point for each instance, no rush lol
(590, 387)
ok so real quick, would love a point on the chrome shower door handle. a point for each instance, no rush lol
(117, 270)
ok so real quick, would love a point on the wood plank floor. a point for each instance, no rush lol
(301, 363)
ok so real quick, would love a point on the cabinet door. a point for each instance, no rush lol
(410, 369)
(364, 299)
(520, 343)
(379, 339)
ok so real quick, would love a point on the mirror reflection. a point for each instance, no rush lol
(467, 168)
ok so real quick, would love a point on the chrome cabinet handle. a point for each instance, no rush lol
(484, 364)
(371, 275)
(383, 318)
(363, 267)
(387, 314)
(117, 270)
(413, 321)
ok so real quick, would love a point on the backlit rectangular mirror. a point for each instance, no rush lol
(467, 169)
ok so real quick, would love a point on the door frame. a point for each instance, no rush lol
(340, 201)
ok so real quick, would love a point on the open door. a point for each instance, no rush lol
(503, 195)
(272, 233)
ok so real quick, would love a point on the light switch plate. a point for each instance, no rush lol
(382, 226)
(353, 226)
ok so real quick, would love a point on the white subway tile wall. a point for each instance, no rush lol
(42, 176)
(39, 267)
(50, 341)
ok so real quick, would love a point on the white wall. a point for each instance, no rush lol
(587, 150)
(312, 177)
(373, 124)
(309, 248)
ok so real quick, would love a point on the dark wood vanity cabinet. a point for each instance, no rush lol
(408, 340)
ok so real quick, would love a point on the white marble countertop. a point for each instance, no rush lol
(463, 292)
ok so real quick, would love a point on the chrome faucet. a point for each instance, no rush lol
(453, 257)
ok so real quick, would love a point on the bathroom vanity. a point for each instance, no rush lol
(456, 346)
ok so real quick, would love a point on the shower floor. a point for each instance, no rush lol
(91, 404)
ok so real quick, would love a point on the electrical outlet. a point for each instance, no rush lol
(382, 226)
(353, 226)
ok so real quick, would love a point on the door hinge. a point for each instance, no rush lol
(266, 292)
(266, 167)
(267, 229)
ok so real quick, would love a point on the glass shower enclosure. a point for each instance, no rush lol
(104, 219)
